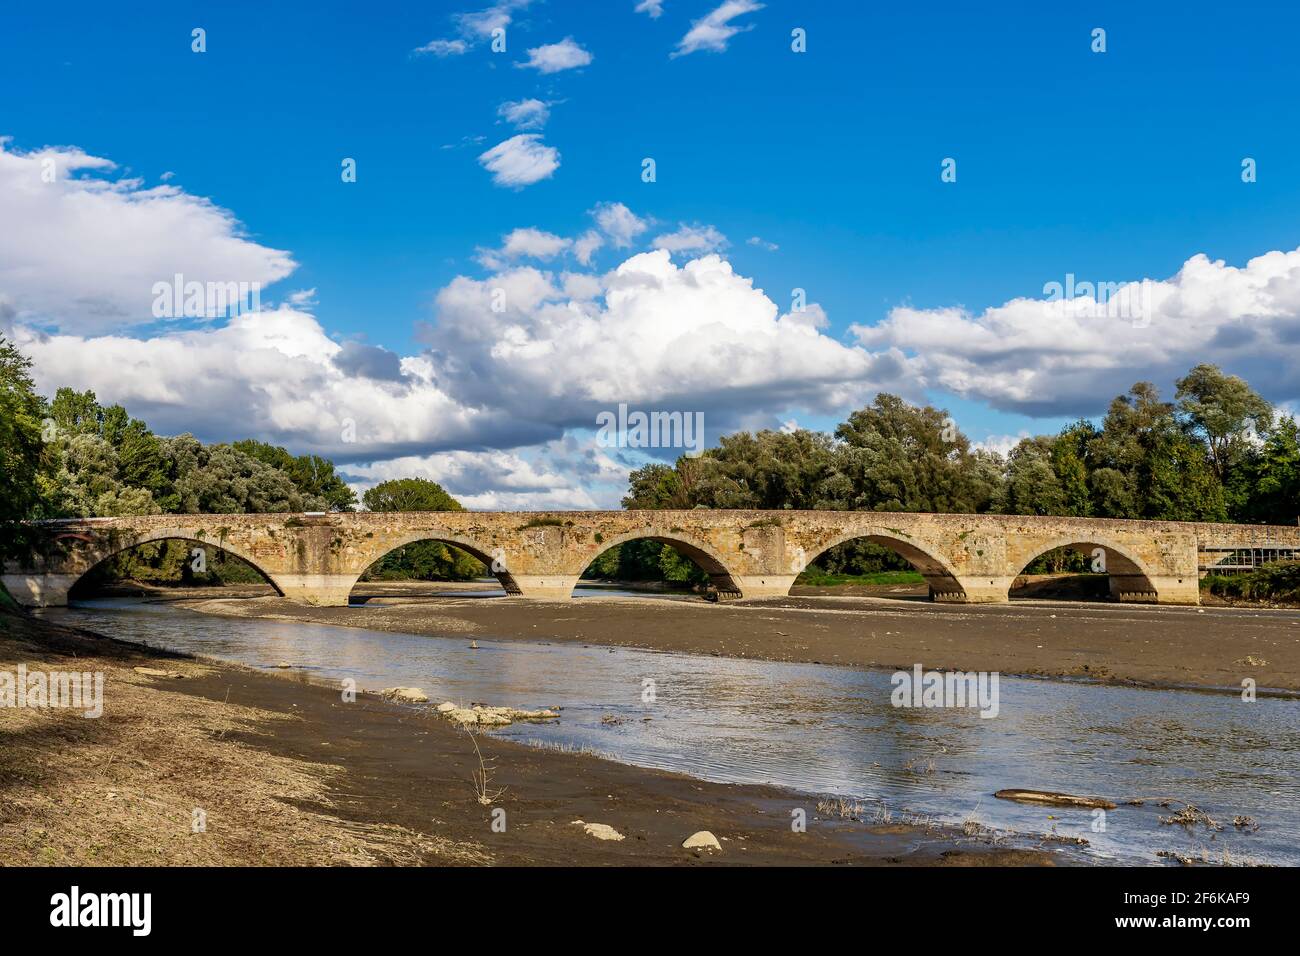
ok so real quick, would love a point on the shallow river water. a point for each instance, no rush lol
(829, 730)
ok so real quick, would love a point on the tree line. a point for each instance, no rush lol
(1218, 452)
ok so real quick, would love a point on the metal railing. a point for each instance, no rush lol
(1242, 560)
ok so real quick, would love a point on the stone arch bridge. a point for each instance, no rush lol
(317, 558)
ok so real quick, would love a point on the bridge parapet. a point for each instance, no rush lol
(1239, 537)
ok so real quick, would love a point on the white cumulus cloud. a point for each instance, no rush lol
(444, 47)
(586, 246)
(272, 374)
(694, 337)
(554, 57)
(535, 243)
(474, 27)
(619, 223)
(713, 31)
(999, 444)
(561, 474)
(79, 250)
(691, 239)
(1045, 357)
(529, 242)
(525, 114)
(521, 161)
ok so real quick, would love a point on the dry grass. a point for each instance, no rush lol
(122, 789)
(484, 792)
(563, 747)
(841, 808)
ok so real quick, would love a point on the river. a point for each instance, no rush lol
(825, 730)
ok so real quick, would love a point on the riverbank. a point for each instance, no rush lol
(1212, 647)
(287, 773)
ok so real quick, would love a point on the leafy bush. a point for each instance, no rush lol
(1279, 581)
(816, 577)
(645, 560)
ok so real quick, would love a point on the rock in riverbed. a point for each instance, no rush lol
(408, 695)
(601, 831)
(155, 672)
(703, 840)
(478, 715)
(1051, 799)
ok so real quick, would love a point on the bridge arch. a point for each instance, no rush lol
(938, 571)
(1130, 577)
(705, 556)
(488, 556)
(96, 556)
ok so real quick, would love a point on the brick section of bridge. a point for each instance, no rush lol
(316, 559)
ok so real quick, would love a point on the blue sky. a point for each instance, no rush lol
(1113, 166)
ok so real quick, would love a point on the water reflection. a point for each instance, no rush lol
(822, 729)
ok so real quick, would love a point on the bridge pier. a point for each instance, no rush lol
(1169, 589)
(544, 587)
(765, 585)
(992, 589)
(40, 589)
(317, 590)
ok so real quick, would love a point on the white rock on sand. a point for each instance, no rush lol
(703, 840)
(412, 695)
(478, 715)
(601, 831)
(155, 672)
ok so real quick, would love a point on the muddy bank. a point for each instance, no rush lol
(1167, 646)
(287, 773)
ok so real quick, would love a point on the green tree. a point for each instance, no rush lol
(1033, 486)
(1070, 462)
(409, 494)
(76, 413)
(657, 486)
(645, 560)
(1224, 411)
(313, 475)
(901, 457)
(420, 560)
(1273, 476)
(21, 414)
(220, 479)
(766, 469)
(1146, 465)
